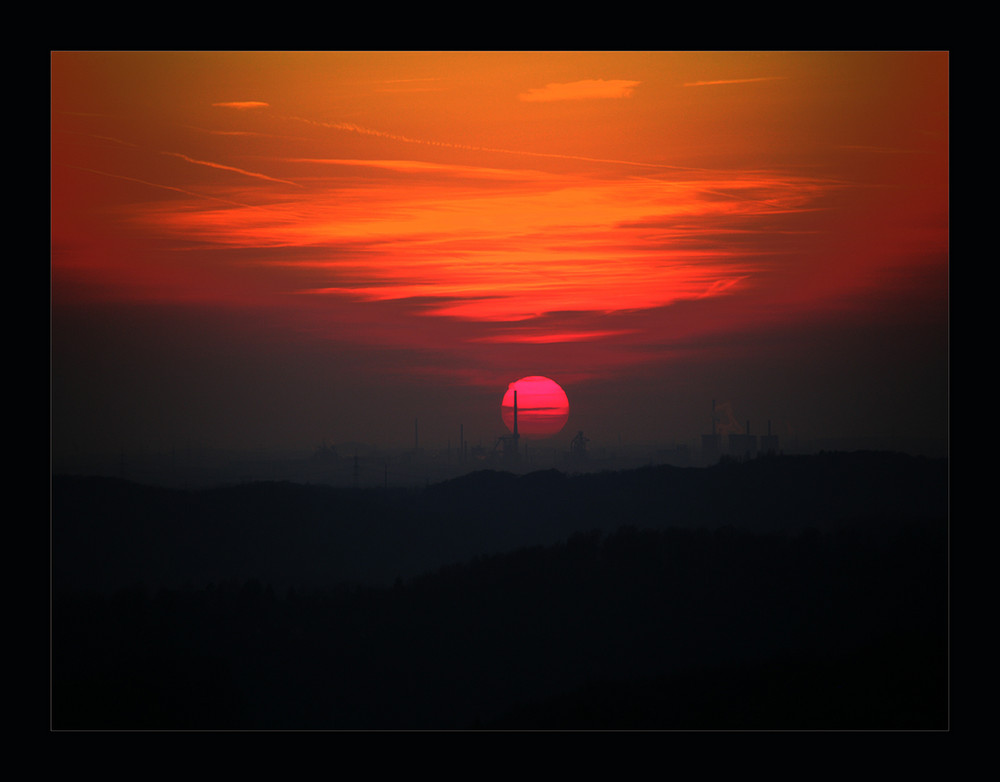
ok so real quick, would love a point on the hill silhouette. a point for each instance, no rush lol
(794, 592)
(108, 532)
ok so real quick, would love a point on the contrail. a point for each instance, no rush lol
(156, 185)
(231, 168)
(732, 81)
(350, 127)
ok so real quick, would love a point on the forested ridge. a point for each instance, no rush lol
(817, 599)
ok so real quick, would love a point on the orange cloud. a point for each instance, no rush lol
(731, 81)
(421, 167)
(461, 208)
(506, 245)
(546, 338)
(243, 104)
(587, 89)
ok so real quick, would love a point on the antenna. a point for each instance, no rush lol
(515, 414)
(511, 454)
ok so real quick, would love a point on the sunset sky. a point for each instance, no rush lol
(273, 250)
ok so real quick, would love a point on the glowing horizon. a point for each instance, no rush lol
(602, 212)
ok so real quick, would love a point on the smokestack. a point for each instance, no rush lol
(515, 414)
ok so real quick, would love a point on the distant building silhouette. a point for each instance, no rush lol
(743, 446)
(769, 442)
(711, 447)
(711, 444)
(740, 444)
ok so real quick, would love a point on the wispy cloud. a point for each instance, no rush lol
(410, 85)
(496, 255)
(243, 105)
(588, 89)
(109, 139)
(880, 150)
(732, 81)
(420, 167)
(546, 338)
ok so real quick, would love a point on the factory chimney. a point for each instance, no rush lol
(515, 420)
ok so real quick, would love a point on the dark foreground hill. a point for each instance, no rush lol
(808, 593)
(109, 533)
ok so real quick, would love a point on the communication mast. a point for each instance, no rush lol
(516, 435)
(510, 443)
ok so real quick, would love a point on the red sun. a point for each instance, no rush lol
(542, 407)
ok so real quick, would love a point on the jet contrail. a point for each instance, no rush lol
(161, 187)
(230, 168)
(350, 127)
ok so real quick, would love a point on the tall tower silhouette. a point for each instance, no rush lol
(510, 443)
(516, 435)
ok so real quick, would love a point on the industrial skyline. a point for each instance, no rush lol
(259, 252)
